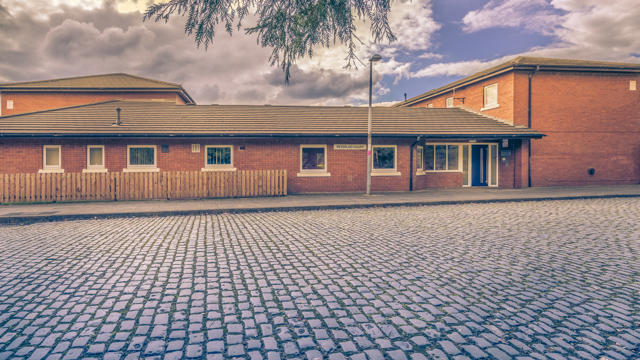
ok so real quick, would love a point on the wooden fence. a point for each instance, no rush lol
(15, 188)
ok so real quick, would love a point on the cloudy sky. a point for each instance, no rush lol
(438, 41)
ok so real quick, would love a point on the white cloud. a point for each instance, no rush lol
(535, 15)
(587, 29)
(43, 39)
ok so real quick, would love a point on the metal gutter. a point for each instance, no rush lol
(275, 135)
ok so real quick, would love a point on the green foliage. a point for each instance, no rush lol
(291, 28)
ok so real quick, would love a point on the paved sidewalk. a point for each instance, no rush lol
(86, 210)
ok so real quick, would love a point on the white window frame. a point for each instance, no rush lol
(55, 168)
(446, 164)
(430, 105)
(485, 105)
(213, 167)
(420, 164)
(94, 168)
(315, 172)
(9, 104)
(142, 168)
(385, 172)
(446, 102)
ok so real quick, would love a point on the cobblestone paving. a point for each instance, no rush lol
(541, 280)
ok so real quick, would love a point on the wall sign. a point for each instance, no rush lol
(349, 146)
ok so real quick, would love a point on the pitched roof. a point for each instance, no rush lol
(108, 82)
(167, 119)
(529, 63)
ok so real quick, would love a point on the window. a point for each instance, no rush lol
(419, 162)
(218, 157)
(52, 158)
(384, 158)
(9, 104)
(313, 160)
(490, 97)
(141, 157)
(449, 102)
(430, 105)
(441, 157)
(95, 157)
(632, 85)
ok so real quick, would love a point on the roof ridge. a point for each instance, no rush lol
(61, 108)
(89, 76)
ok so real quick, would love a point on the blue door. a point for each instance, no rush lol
(479, 160)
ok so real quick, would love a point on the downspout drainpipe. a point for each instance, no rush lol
(529, 123)
(413, 145)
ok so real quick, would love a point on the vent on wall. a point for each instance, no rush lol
(195, 148)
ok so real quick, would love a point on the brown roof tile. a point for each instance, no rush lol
(526, 63)
(161, 119)
(111, 82)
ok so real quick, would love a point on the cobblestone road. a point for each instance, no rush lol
(555, 279)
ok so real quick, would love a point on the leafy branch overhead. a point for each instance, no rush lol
(292, 29)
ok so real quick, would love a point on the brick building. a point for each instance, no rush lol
(322, 148)
(588, 110)
(23, 97)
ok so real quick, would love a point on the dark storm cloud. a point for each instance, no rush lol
(73, 41)
(318, 84)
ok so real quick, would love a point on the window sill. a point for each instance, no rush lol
(313, 174)
(490, 107)
(206, 169)
(386, 173)
(442, 171)
(86, 171)
(135, 170)
(420, 172)
(51, 171)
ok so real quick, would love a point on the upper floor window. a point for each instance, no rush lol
(430, 105)
(449, 102)
(490, 97)
(9, 104)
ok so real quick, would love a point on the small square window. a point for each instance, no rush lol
(449, 102)
(384, 158)
(141, 156)
(219, 156)
(491, 96)
(52, 157)
(95, 157)
(314, 158)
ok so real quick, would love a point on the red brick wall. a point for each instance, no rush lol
(347, 167)
(24, 102)
(474, 97)
(438, 180)
(591, 121)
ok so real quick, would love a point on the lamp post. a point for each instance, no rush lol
(373, 59)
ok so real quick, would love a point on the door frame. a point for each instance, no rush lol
(490, 158)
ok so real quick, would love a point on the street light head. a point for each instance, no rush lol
(375, 58)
